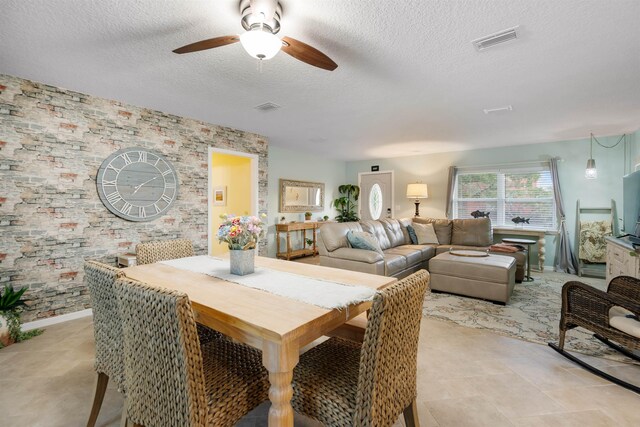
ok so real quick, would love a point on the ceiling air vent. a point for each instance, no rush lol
(496, 38)
(267, 106)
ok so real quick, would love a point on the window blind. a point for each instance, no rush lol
(507, 193)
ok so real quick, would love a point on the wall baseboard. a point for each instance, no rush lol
(56, 319)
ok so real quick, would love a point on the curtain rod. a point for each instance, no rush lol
(531, 163)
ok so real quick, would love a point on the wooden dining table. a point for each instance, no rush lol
(276, 325)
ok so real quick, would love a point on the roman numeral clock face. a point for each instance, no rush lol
(137, 184)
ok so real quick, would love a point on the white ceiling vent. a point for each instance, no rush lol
(498, 109)
(496, 38)
(267, 106)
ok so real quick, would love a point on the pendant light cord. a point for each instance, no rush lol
(593, 138)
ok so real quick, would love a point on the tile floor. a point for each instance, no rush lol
(466, 377)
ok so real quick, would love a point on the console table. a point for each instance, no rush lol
(516, 231)
(302, 227)
(620, 261)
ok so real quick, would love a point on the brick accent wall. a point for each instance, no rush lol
(52, 142)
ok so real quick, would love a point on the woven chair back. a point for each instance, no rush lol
(107, 326)
(148, 253)
(388, 361)
(162, 357)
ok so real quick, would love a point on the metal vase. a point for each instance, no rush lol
(242, 262)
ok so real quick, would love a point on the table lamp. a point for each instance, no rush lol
(417, 191)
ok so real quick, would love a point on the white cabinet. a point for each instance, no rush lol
(622, 260)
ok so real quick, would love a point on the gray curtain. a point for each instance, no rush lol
(565, 259)
(452, 183)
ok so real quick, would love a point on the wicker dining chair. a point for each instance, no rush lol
(150, 252)
(613, 317)
(172, 379)
(107, 330)
(344, 383)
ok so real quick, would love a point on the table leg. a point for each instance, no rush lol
(314, 241)
(288, 246)
(280, 359)
(541, 253)
(277, 243)
(529, 278)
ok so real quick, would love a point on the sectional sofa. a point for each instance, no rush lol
(399, 256)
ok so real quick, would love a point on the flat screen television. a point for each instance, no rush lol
(631, 203)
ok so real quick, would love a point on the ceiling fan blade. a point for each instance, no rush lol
(207, 44)
(305, 53)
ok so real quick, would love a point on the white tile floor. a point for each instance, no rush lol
(466, 377)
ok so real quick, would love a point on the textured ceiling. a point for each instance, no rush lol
(408, 82)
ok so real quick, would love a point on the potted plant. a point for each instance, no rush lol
(346, 204)
(326, 217)
(307, 216)
(10, 302)
(241, 233)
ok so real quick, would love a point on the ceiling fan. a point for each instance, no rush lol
(261, 20)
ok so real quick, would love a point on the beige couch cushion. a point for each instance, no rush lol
(413, 256)
(425, 234)
(334, 234)
(394, 231)
(442, 228)
(376, 228)
(471, 232)
(395, 263)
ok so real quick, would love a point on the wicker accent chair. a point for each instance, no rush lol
(613, 317)
(344, 383)
(148, 253)
(107, 330)
(172, 379)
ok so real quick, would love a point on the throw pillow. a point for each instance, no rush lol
(412, 235)
(425, 233)
(363, 240)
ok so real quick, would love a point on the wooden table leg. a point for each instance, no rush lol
(288, 246)
(315, 250)
(541, 252)
(280, 359)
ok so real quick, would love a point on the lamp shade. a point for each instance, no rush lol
(417, 191)
(260, 43)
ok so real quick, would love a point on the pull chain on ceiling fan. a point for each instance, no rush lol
(261, 20)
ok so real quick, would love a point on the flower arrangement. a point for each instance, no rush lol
(241, 232)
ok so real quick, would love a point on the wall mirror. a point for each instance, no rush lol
(301, 196)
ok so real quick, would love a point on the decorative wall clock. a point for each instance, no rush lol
(137, 184)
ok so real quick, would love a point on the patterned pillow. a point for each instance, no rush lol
(363, 240)
(412, 235)
(425, 233)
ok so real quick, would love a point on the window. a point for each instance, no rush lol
(375, 201)
(507, 193)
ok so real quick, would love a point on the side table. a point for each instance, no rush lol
(527, 242)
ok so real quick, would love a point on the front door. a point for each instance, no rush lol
(376, 195)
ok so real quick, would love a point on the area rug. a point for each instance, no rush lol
(532, 314)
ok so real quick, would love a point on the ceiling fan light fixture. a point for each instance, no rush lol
(261, 43)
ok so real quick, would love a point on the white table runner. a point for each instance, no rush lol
(318, 292)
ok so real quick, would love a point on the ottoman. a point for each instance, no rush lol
(489, 277)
